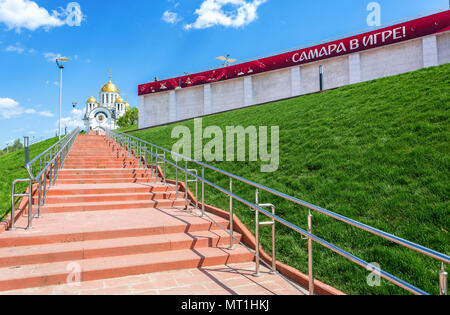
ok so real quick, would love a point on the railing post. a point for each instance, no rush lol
(164, 168)
(13, 204)
(39, 197)
(231, 217)
(257, 267)
(151, 162)
(203, 192)
(274, 255)
(45, 188)
(443, 281)
(30, 206)
(26, 145)
(156, 165)
(50, 175)
(196, 191)
(176, 174)
(186, 188)
(310, 256)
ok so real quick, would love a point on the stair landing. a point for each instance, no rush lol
(232, 279)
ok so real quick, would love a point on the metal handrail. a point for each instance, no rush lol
(119, 136)
(50, 162)
(53, 151)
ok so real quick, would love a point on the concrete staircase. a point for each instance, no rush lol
(110, 219)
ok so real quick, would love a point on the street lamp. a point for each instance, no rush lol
(59, 63)
(227, 60)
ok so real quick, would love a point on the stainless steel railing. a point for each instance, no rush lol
(125, 140)
(47, 165)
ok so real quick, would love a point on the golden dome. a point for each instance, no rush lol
(127, 105)
(119, 100)
(110, 87)
(91, 100)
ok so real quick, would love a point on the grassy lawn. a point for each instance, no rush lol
(376, 152)
(12, 166)
(125, 129)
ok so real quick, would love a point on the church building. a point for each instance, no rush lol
(103, 115)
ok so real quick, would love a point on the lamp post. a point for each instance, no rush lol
(227, 60)
(59, 63)
(321, 77)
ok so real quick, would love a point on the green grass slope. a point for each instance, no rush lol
(376, 152)
(12, 166)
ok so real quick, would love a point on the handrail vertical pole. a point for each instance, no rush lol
(156, 165)
(310, 256)
(176, 175)
(151, 163)
(13, 204)
(203, 192)
(186, 189)
(443, 281)
(165, 168)
(257, 273)
(274, 255)
(51, 173)
(196, 192)
(231, 217)
(39, 197)
(30, 187)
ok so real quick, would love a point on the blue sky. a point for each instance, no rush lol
(141, 39)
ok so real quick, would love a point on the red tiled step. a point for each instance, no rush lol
(112, 188)
(101, 171)
(98, 164)
(106, 181)
(111, 205)
(105, 175)
(51, 200)
(49, 253)
(113, 267)
(93, 160)
(96, 225)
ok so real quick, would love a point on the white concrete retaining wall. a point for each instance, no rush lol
(166, 107)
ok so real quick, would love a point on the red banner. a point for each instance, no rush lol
(386, 36)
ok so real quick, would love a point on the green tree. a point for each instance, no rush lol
(130, 118)
(17, 145)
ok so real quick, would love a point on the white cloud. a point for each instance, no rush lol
(76, 120)
(228, 13)
(15, 48)
(170, 17)
(10, 108)
(46, 114)
(18, 14)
